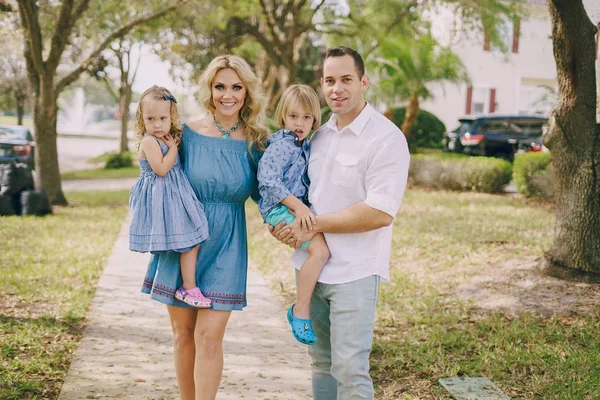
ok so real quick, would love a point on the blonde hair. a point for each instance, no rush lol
(252, 113)
(298, 95)
(157, 93)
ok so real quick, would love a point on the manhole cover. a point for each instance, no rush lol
(472, 389)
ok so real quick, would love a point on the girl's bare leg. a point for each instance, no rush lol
(318, 253)
(188, 267)
(210, 329)
(183, 323)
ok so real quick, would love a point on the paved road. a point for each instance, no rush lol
(73, 153)
(97, 184)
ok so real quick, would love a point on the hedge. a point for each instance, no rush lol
(533, 175)
(479, 174)
(116, 160)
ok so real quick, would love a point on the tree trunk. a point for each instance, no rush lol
(598, 73)
(124, 106)
(46, 153)
(574, 140)
(20, 107)
(411, 115)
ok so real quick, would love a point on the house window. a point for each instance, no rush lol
(509, 33)
(480, 100)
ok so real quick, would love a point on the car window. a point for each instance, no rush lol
(14, 134)
(527, 126)
(463, 127)
(495, 126)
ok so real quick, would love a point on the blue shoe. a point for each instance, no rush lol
(301, 328)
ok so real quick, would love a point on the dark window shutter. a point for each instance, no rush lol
(516, 34)
(492, 100)
(469, 99)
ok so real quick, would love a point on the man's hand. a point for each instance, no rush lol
(284, 234)
(299, 234)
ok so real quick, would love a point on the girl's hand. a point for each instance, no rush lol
(169, 140)
(306, 218)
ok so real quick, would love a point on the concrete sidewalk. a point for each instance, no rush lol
(126, 349)
(98, 184)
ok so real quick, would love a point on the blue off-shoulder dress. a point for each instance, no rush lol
(222, 173)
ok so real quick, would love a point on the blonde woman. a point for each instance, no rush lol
(220, 156)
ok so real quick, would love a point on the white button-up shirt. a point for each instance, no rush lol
(367, 161)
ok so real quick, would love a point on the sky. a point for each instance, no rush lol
(593, 9)
(153, 71)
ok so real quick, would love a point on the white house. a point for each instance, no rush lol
(519, 80)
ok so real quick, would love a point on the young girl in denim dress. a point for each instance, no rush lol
(283, 186)
(165, 213)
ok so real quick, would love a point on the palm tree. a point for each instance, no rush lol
(407, 68)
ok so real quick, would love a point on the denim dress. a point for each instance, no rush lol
(222, 173)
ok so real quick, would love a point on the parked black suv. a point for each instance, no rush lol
(496, 135)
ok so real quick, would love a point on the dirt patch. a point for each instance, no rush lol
(518, 287)
(14, 307)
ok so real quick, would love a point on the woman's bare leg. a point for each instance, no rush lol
(183, 323)
(210, 329)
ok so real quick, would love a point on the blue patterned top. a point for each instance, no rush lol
(282, 171)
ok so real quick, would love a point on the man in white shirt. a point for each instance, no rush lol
(358, 170)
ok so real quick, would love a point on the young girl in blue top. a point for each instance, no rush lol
(283, 186)
(165, 212)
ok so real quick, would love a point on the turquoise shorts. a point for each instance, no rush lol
(282, 213)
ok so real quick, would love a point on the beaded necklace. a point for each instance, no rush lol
(226, 133)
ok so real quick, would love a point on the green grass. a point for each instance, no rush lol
(102, 173)
(424, 332)
(49, 270)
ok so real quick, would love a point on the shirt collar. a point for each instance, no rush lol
(357, 125)
(294, 137)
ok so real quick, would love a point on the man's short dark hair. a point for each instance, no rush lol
(341, 51)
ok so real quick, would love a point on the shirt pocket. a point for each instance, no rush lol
(345, 170)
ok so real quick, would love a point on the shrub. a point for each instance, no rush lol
(543, 184)
(484, 174)
(427, 131)
(479, 174)
(533, 175)
(116, 160)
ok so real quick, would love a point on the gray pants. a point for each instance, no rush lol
(343, 317)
